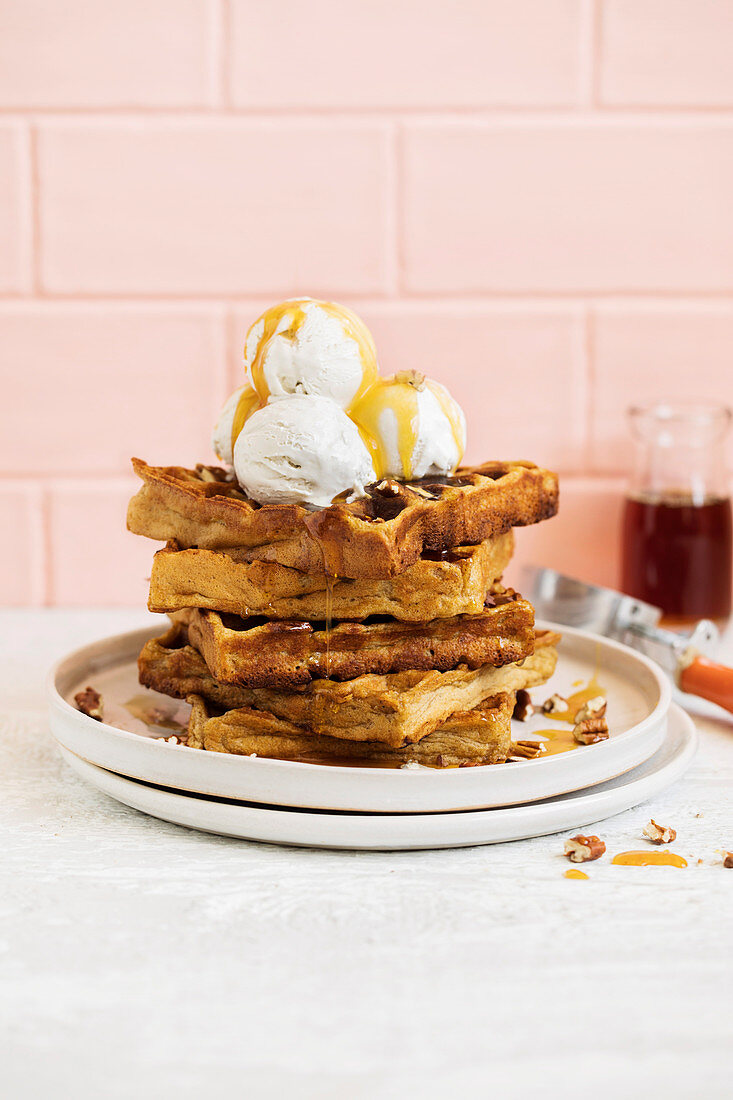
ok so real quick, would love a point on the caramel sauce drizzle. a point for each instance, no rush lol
(451, 414)
(578, 699)
(401, 398)
(145, 710)
(558, 740)
(355, 328)
(649, 859)
(572, 872)
(272, 318)
(388, 395)
(248, 403)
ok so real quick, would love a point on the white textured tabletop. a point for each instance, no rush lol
(139, 959)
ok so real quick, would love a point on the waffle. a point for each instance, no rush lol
(284, 653)
(395, 709)
(469, 738)
(455, 584)
(377, 536)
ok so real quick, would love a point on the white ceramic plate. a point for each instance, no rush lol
(319, 829)
(638, 701)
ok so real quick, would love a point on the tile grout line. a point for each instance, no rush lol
(450, 297)
(586, 55)
(221, 54)
(597, 53)
(527, 114)
(589, 320)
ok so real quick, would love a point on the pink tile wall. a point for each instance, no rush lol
(571, 206)
(124, 378)
(120, 53)
(15, 209)
(529, 201)
(405, 55)
(197, 204)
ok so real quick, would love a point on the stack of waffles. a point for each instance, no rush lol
(372, 632)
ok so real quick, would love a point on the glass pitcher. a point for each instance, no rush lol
(677, 550)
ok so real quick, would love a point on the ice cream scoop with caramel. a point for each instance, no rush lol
(316, 419)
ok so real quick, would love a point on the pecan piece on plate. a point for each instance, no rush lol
(523, 709)
(556, 704)
(90, 702)
(526, 750)
(590, 722)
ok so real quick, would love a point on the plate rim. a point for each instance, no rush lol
(586, 803)
(391, 780)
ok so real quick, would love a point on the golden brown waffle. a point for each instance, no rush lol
(453, 584)
(286, 653)
(380, 535)
(395, 709)
(469, 738)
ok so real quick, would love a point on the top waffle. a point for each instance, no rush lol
(379, 535)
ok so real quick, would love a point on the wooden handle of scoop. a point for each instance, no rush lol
(709, 680)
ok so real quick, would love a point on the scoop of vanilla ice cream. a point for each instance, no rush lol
(221, 438)
(301, 449)
(417, 429)
(311, 347)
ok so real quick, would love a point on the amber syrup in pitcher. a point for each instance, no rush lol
(677, 555)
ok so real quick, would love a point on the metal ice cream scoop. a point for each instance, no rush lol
(574, 603)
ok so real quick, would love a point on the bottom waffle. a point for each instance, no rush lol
(466, 739)
(395, 709)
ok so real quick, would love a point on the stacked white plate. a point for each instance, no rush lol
(651, 744)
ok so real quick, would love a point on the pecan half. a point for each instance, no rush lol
(582, 849)
(523, 709)
(414, 378)
(212, 473)
(387, 487)
(590, 722)
(659, 834)
(90, 702)
(526, 750)
(594, 708)
(591, 731)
